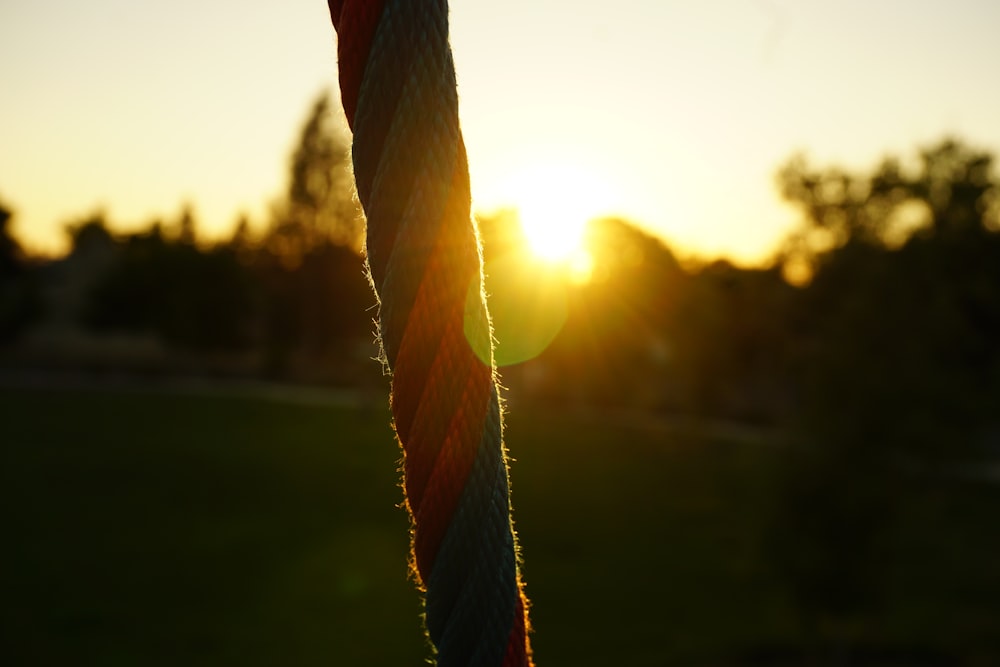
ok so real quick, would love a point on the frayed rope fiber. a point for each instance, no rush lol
(397, 81)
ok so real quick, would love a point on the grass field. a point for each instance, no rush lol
(160, 529)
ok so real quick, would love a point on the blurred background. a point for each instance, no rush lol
(744, 267)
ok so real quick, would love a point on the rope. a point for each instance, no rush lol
(397, 82)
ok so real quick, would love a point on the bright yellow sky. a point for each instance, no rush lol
(673, 113)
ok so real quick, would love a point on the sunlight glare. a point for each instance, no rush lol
(555, 202)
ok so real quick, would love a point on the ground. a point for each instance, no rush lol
(178, 527)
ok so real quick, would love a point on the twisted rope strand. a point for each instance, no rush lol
(397, 82)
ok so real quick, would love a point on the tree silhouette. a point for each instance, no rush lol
(956, 182)
(951, 193)
(318, 206)
(189, 297)
(10, 249)
(315, 297)
(896, 362)
(19, 303)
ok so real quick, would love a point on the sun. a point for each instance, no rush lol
(553, 229)
(554, 203)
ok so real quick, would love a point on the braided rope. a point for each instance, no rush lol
(397, 82)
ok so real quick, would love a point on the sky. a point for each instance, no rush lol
(675, 114)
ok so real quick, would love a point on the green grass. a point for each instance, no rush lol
(155, 529)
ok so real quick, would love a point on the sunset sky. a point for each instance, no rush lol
(674, 114)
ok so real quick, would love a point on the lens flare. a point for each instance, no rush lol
(528, 307)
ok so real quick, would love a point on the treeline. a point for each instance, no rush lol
(883, 306)
(289, 300)
(884, 302)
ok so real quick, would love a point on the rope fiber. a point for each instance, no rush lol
(397, 81)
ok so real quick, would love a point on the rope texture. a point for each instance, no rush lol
(398, 89)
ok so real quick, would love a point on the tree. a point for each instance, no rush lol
(19, 303)
(951, 192)
(956, 183)
(188, 297)
(896, 366)
(318, 206)
(10, 249)
(315, 296)
(900, 332)
(613, 347)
